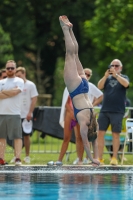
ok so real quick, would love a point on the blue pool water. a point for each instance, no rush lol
(66, 183)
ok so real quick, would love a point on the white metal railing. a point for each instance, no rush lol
(47, 145)
(53, 146)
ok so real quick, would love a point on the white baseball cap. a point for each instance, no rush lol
(27, 126)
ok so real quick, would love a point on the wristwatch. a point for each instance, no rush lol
(116, 76)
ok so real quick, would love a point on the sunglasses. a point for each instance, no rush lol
(87, 74)
(8, 68)
(115, 65)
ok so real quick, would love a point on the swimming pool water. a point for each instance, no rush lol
(65, 185)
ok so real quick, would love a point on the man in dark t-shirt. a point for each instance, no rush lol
(114, 85)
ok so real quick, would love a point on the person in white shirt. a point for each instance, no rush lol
(28, 102)
(10, 110)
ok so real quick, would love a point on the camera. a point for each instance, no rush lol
(109, 66)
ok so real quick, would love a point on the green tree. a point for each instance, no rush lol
(6, 49)
(103, 30)
(111, 31)
(36, 36)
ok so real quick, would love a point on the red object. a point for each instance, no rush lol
(2, 162)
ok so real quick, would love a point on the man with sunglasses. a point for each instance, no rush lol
(112, 111)
(10, 108)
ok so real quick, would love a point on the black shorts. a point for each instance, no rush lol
(114, 119)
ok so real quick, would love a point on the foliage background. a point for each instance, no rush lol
(31, 35)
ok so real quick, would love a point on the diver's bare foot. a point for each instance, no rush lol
(64, 21)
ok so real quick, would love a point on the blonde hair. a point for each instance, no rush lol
(21, 69)
(89, 70)
(11, 61)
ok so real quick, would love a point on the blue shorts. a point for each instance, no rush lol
(114, 119)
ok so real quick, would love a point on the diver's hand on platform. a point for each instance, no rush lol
(95, 162)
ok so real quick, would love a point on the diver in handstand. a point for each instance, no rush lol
(77, 86)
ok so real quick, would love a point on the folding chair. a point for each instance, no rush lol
(129, 130)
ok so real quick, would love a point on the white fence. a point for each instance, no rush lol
(52, 145)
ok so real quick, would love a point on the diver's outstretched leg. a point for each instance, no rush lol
(78, 63)
(71, 76)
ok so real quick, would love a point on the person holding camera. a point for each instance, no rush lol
(112, 111)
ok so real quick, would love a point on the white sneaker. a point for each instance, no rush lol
(86, 161)
(13, 160)
(18, 162)
(27, 159)
(75, 162)
(57, 163)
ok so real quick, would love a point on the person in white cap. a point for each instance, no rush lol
(28, 102)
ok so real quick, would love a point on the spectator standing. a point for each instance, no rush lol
(28, 102)
(10, 108)
(112, 111)
(110, 148)
(3, 73)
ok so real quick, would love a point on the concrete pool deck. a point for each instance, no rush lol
(66, 169)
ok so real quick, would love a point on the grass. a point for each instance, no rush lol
(47, 149)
